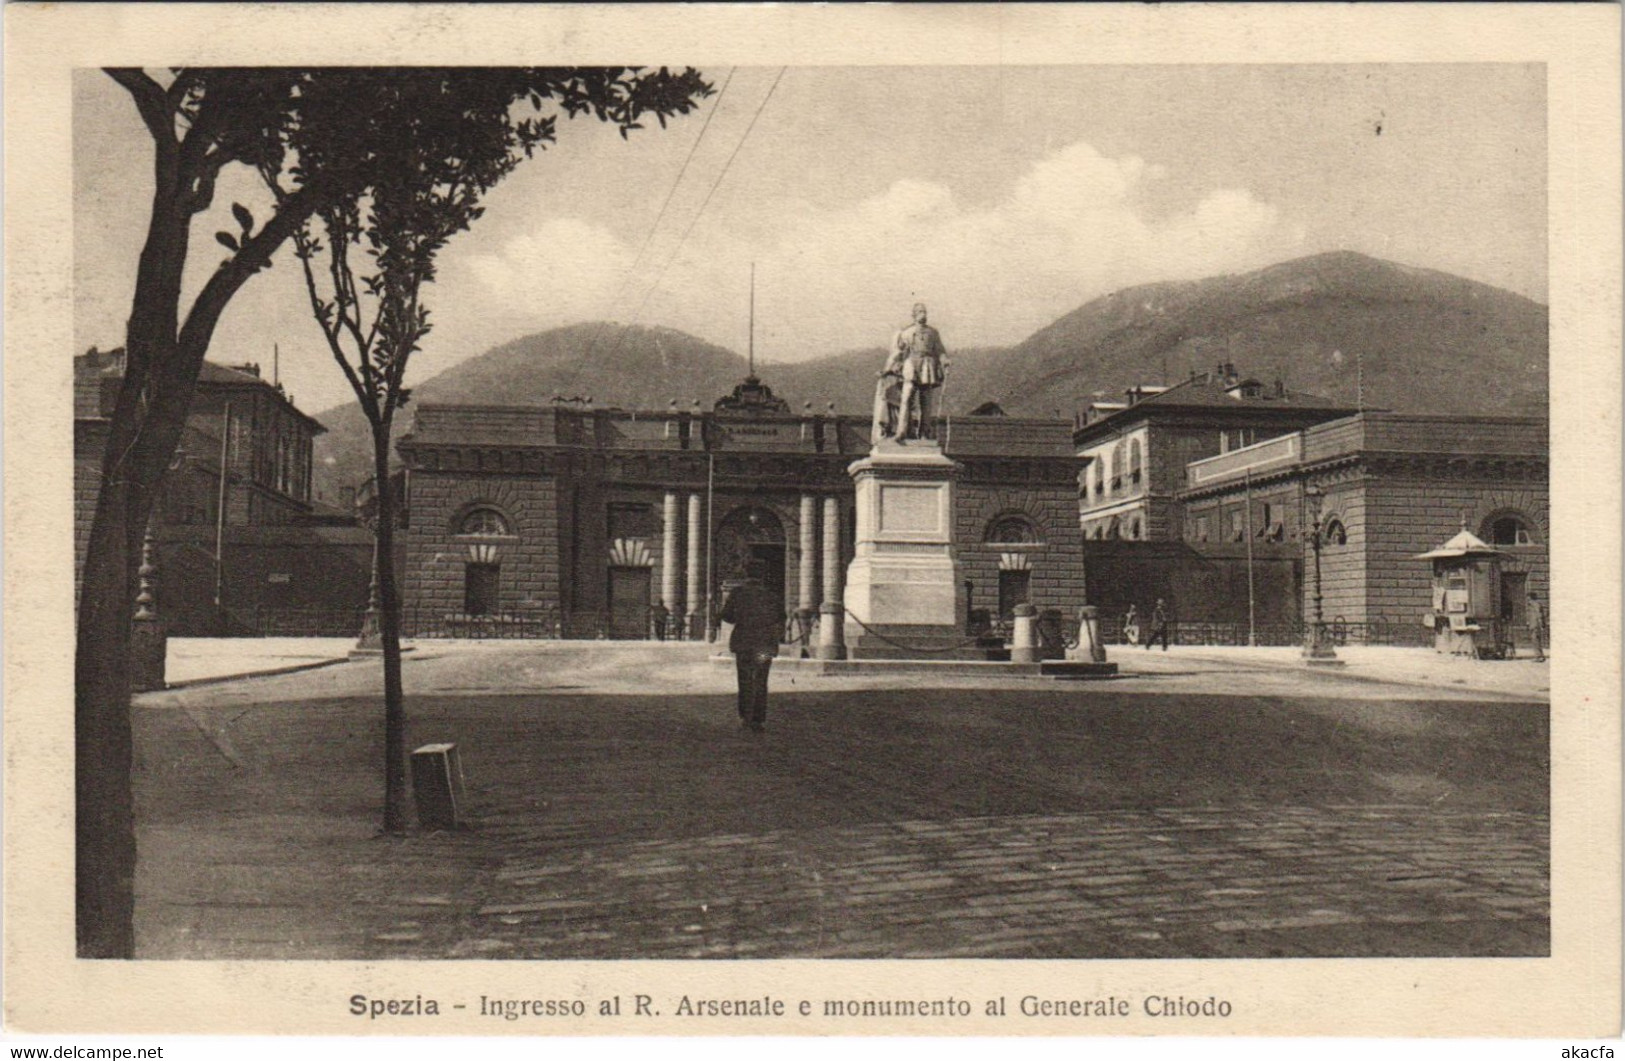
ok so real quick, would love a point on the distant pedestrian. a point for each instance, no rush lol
(754, 612)
(658, 619)
(1535, 619)
(1159, 626)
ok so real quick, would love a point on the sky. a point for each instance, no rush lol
(1003, 197)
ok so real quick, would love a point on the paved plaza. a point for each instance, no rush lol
(1210, 803)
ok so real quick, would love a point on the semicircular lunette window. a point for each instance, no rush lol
(1510, 530)
(1012, 530)
(486, 521)
(1334, 533)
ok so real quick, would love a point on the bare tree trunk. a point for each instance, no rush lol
(138, 450)
(104, 831)
(162, 362)
(389, 629)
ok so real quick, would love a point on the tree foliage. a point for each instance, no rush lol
(330, 142)
(367, 258)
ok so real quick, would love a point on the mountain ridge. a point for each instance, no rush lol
(1342, 325)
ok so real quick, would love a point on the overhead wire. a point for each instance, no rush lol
(648, 238)
(698, 213)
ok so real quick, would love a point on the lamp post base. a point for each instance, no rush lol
(1318, 652)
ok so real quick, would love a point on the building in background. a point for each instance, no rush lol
(1205, 494)
(1387, 487)
(279, 562)
(1137, 449)
(592, 522)
(569, 520)
(1224, 585)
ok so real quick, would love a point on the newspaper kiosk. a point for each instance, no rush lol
(1466, 616)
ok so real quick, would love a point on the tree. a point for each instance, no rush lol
(322, 137)
(366, 261)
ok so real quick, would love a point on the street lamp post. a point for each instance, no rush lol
(1317, 649)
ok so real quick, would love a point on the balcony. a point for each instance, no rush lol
(1269, 455)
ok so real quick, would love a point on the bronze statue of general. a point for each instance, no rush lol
(914, 374)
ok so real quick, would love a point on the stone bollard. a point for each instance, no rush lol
(1090, 646)
(831, 643)
(1024, 635)
(438, 786)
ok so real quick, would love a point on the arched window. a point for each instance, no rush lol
(1134, 529)
(1012, 529)
(1333, 533)
(1117, 467)
(1509, 528)
(1100, 475)
(483, 521)
(1134, 461)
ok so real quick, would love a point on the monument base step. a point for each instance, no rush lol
(908, 670)
(900, 641)
(1076, 670)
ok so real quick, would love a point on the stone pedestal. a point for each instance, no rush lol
(904, 594)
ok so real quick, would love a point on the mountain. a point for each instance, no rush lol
(1341, 325)
(636, 368)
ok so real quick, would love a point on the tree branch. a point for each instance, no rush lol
(368, 406)
(151, 101)
(234, 272)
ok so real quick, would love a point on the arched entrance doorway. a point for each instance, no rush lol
(749, 532)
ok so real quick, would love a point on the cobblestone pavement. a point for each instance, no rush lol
(1202, 882)
(619, 812)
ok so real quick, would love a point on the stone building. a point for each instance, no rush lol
(1387, 486)
(285, 563)
(1137, 449)
(569, 520)
(1197, 494)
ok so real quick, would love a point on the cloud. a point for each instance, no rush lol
(567, 269)
(1076, 224)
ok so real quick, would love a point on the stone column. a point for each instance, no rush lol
(669, 560)
(832, 616)
(806, 608)
(809, 553)
(696, 571)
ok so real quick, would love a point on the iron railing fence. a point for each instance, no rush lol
(308, 620)
(527, 625)
(550, 624)
(1338, 632)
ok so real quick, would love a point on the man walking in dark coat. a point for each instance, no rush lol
(754, 612)
(1159, 626)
